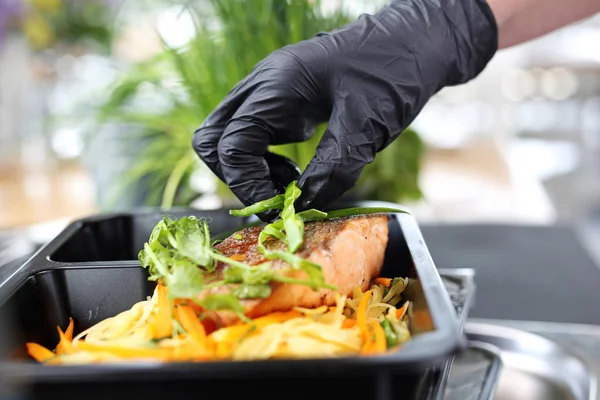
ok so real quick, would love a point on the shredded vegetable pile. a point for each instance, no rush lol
(160, 330)
(180, 321)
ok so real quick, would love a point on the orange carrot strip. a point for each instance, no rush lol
(39, 353)
(223, 350)
(161, 321)
(380, 344)
(238, 257)
(348, 323)
(188, 350)
(64, 345)
(236, 332)
(361, 313)
(69, 331)
(128, 352)
(276, 317)
(402, 310)
(367, 345)
(383, 281)
(189, 320)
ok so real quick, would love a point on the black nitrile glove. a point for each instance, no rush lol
(369, 79)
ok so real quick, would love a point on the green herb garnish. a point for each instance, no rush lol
(181, 255)
(274, 203)
(290, 231)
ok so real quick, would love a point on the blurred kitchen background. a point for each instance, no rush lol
(99, 100)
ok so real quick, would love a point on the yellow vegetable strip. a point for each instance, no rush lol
(236, 332)
(128, 352)
(161, 321)
(189, 321)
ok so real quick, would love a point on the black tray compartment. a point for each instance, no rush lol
(65, 279)
(119, 237)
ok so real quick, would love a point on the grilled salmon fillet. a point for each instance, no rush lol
(349, 250)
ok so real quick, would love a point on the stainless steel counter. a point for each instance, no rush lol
(581, 340)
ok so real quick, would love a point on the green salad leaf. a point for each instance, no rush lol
(181, 254)
(293, 225)
(274, 203)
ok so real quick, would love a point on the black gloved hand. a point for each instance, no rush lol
(369, 79)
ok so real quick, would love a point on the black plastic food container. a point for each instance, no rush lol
(90, 272)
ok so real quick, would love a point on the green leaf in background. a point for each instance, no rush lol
(394, 175)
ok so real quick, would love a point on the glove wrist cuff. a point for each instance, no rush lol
(476, 40)
(460, 37)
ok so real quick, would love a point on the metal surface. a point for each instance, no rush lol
(535, 367)
(459, 283)
(474, 373)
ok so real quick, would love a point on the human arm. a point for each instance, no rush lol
(522, 20)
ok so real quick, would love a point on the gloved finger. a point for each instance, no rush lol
(337, 164)
(283, 170)
(206, 138)
(242, 150)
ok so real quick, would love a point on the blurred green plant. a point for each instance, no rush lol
(231, 37)
(46, 23)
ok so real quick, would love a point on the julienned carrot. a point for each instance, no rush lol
(236, 332)
(383, 281)
(368, 344)
(189, 350)
(223, 350)
(366, 349)
(64, 345)
(65, 339)
(238, 257)
(189, 321)
(402, 310)
(348, 323)
(39, 353)
(69, 331)
(161, 320)
(380, 344)
(361, 313)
